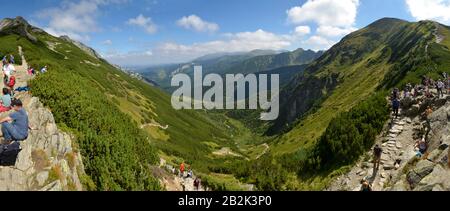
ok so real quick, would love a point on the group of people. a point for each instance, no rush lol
(189, 174)
(421, 146)
(15, 127)
(9, 81)
(10, 60)
(31, 71)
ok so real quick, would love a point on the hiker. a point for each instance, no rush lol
(396, 93)
(44, 69)
(182, 168)
(15, 126)
(377, 151)
(407, 92)
(427, 115)
(31, 71)
(11, 59)
(421, 147)
(190, 174)
(409, 87)
(365, 186)
(8, 70)
(5, 104)
(440, 88)
(197, 183)
(396, 106)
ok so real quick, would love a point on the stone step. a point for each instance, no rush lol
(392, 135)
(395, 131)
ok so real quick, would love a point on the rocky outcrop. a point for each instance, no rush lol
(403, 168)
(18, 26)
(82, 46)
(48, 160)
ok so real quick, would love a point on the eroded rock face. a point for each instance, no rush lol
(47, 160)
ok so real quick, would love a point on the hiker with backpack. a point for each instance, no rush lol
(5, 104)
(197, 184)
(396, 107)
(15, 126)
(440, 88)
(377, 152)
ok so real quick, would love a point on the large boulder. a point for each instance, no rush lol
(422, 169)
(439, 177)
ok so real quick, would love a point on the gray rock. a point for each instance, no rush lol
(54, 186)
(399, 186)
(389, 166)
(42, 177)
(422, 169)
(438, 188)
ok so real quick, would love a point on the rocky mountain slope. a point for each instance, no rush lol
(365, 61)
(401, 167)
(49, 160)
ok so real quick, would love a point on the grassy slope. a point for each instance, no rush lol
(188, 130)
(409, 68)
(357, 82)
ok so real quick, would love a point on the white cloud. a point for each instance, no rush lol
(302, 30)
(438, 10)
(193, 22)
(318, 43)
(340, 13)
(75, 19)
(332, 31)
(171, 52)
(107, 42)
(144, 22)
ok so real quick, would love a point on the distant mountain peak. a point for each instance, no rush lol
(20, 27)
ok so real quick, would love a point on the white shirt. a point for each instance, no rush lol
(9, 69)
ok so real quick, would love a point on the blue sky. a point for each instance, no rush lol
(147, 32)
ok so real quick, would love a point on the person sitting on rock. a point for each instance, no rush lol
(15, 126)
(5, 104)
(421, 146)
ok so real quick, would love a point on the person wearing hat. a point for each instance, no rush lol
(15, 126)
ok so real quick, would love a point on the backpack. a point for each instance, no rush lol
(12, 81)
(9, 154)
